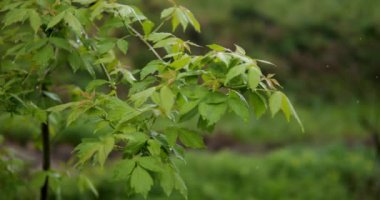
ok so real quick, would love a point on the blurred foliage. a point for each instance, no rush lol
(299, 172)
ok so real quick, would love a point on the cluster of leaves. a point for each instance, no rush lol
(178, 86)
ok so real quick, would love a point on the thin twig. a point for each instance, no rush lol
(137, 34)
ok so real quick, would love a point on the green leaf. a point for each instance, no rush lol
(75, 61)
(239, 50)
(194, 91)
(60, 43)
(167, 180)
(56, 19)
(150, 163)
(254, 74)
(14, 16)
(141, 181)
(155, 37)
(167, 99)
(288, 109)
(190, 138)
(104, 46)
(171, 135)
(275, 102)
(147, 27)
(238, 105)
(52, 96)
(167, 12)
(166, 43)
(215, 98)
(150, 68)
(123, 169)
(212, 112)
(43, 56)
(141, 97)
(62, 107)
(216, 47)
(258, 104)
(92, 85)
(73, 23)
(193, 21)
(180, 185)
(181, 63)
(225, 58)
(128, 76)
(234, 72)
(35, 20)
(122, 45)
(181, 17)
(91, 147)
(76, 113)
(187, 107)
(85, 182)
(154, 147)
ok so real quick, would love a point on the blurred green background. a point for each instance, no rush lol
(327, 57)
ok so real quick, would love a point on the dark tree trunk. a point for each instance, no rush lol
(45, 158)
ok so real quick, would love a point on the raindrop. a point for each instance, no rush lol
(357, 101)
(377, 77)
(327, 66)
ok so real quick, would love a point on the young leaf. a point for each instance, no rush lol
(150, 163)
(75, 61)
(94, 84)
(254, 74)
(60, 43)
(155, 37)
(181, 63)
(234, 72)
(14, 16)
(180, 185)
(275, 102)
(212, 112)
(90, 147)
(43, 56)
(154, 147)
(85, 182)
(62, 107)
(150, 68)
(239, 50)
(122, 45)
(147, 27)
(167, 12)
(35, 20)
(73, 23)
(123, 169)
(216, 47)
(181, 17)
(141, 181)
(193, 21)
(238, 104)
(258, 104)
(167, 99)
(56, 19)
(288, 109)
(167, 180)
(191, 139)
(52, 96)
(142, 97)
